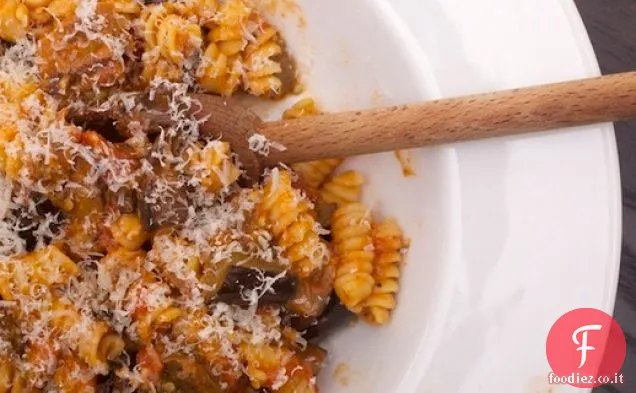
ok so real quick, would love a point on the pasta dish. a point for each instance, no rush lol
(136, 259)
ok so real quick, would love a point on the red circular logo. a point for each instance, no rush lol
(585, 348)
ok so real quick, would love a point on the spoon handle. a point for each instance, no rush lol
(473, 117)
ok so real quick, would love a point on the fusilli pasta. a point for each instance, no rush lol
(7, 372)
(72, 375)
(342, 189)
(212, 166)
(171, 41)
(313, 174)
(48, 267)
(96, 343)
(220, 72)
(154, 311)
(353, 246)
(388, 243)
(288, 215)
(127, 7)
(302, 108)
(14, 20)
(221, 66)
(261, 68)
(44, 15)
(128, 231)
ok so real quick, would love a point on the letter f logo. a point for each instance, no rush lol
(583, 344)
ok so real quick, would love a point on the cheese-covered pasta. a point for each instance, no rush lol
(138, 257)
(212, 166)
(128, 231)
(171, 42)
(287, 214)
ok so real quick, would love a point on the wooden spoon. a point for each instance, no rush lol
(529, 109)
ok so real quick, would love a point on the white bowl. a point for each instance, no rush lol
(363, 56)
(507, 235)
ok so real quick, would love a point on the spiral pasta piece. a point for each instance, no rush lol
(127, 7)
(277, 368)
(353, 249)
(154, 311)
(178, 263)
(388, 242)
(314, 173)
(128, 231)
(171, 43)
(16, 92)
(263, 363)
(96, 342)
(44, 15)
(213, 346)
(228, 30)
(73, 375)
(13, 380)
(305, 107)
(344, 188)
(7, 372)
(204, 10)
(48, 266)
(16, 161)
(11, 151)
(14, 20)
(82, 63)
(222, 62)
(261, 69)
(146, 297)
(282, 366)
(177, 39)
(220, 70)
(287, 214)
(212, 166)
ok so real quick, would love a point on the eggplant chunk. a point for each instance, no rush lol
(240, 282)
(334, 318)
(158, 208)
(32, 222)
(313, 293)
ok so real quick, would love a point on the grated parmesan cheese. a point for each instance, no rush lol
(91, 181)
(260, 144)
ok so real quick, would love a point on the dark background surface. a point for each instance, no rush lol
(611, 25)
